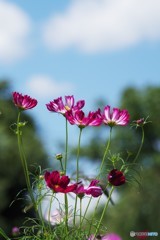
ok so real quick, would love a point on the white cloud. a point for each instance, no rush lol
(98, 25)
(15, 26)
(42, 86)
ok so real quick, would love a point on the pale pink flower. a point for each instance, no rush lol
(23, 102)
(57, 105)
(116, 117)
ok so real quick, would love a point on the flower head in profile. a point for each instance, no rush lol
(116, 117)
(23, 102)
(57, 105)
(59, 183)
(116, 177)
(78, 118)
(92, 189)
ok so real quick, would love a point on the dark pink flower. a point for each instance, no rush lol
(78, 118)
(116, 117)
(116, 177)
(59, 183)
(23, 102)
(93, 189)
(57, 105)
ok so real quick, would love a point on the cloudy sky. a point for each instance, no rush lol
(89, 48)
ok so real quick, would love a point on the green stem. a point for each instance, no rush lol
(86, 209)
(105, 153)
(77, 173)
(140, 147)
(101, 166)
(104, 211)
(66, 149)
(2, 233)
(49, 212)
(66, 212)
(78, 154)
(24, 162)
(80, 213)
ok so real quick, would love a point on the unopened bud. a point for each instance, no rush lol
(62, 173)
(41, 177)
(59, 156)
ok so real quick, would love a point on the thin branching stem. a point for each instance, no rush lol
(105, 153)
(140, 147)
(24, 161)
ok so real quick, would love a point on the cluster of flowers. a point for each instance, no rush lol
(74, 114)
(58, 181)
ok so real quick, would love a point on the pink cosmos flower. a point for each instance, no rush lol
(116, 117)
(23, 102)
(78, 118)
(57, 105)
(116, 177)
(59, 183)
(110, 236)
(93, 189)
(15, 231)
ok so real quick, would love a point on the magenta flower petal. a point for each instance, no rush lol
(116, 117)
(111, 236)
(116, 177)
(59, 183)
(78, 118)
(92, 189)
(23, 102)
(58, 106)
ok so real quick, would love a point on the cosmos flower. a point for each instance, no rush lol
(109, 236)
(59, 183)
(116, 117)
(93, 189)
(78, 118)
(57, 105)
(116, 177)
(23, 102)
(15, 231)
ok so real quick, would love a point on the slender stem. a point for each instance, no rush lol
(78, 154)
(49, 212)
(77, 173)
(105, 152)
(84, 215)
(24, 162)
(62, 169)
(104, 211)
(80, 213)
(66, 211)
(2, 233)
(66, 149)
(140, 147)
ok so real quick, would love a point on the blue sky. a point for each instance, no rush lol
(89, 48)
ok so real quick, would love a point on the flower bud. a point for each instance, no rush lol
(59, 156)
(116, 177)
